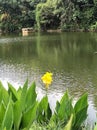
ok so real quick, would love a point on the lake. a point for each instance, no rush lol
(70, 56)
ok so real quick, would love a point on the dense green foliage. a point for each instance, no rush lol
(19, 110)
(48, 14)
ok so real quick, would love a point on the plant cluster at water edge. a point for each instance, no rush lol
(20, 109)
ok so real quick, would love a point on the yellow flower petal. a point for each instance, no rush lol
(47, 79)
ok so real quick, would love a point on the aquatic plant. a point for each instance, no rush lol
(19, 109)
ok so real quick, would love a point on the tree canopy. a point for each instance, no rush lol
(48, 14)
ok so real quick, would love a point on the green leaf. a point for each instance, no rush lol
(19, 106)
(13, 91)
(29, 116)
(44, 111)
(23, 95)
(81, 103)
(4, 94)
(80, 118)
(1, 96)
(8, 117)
(80, 111)
(57, 106)
(4, 128)
(69, 124)
(31, 96)
(65, 109)
(95, 128)
(2, 112)
(19, 91)
(17, 114)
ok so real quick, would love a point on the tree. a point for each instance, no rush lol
(21, 12)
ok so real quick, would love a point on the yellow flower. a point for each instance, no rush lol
(47, 79)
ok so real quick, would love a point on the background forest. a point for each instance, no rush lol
(72, 15)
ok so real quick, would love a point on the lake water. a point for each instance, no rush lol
(71, 57)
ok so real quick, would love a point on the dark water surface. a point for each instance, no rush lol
(71, 57)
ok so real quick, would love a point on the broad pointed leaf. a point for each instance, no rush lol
(5, 95)
(29, 116)
(69, 124)
(2, 111)
(31, 96)
(13, 91)
(8, 117)
(65, 109)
